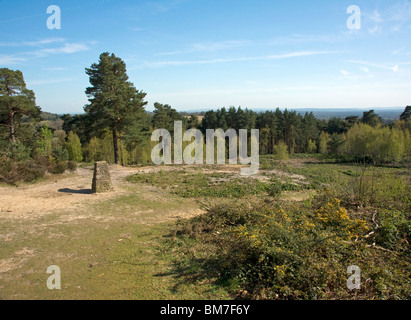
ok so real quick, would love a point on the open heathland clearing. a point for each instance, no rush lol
(206, 232)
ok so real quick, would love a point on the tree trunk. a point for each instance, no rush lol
(115, 144)
(12, 135)
(123, 162)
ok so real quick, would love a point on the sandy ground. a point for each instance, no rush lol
(57, 192)
(69, 191)
(70, 196)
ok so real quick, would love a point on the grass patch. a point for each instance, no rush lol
(108, 250)
(197, 184)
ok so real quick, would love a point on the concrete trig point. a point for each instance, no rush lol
(101, 177)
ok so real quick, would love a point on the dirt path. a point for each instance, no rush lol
(96, 239)
(33, 200)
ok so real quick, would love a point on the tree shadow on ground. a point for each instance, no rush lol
(201, 270)
(79, 191)
(214, 269)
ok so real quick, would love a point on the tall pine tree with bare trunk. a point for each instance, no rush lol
(114, 101)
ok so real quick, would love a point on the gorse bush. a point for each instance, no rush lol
(289, 250)
(333, 216)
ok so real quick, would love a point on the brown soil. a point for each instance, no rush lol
(57, 192)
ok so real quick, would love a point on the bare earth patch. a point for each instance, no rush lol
(34, 200)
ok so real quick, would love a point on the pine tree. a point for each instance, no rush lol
(161, 119)
(193, 122)
(165, 116)
(406, 114)
(371, 118)
(210, 121)
(264, 140)
(16, 101)
(114, 101)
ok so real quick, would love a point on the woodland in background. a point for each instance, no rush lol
(116, 128)
(281, 133)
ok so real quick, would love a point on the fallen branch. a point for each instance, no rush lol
(376, 226)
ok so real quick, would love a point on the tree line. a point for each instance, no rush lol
(116, 127)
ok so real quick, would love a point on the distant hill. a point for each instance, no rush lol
(53, 120)
(387, 114)
(49, 116)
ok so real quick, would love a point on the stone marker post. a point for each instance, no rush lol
(101, 177)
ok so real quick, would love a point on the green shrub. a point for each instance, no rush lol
(12, 172)
(281, 151)
(394, 231)
(18, 152)
(58, 168)
(274, 188)
(60, 154)
(31, 171)
(71, 166)
(8, 170)
(74, 148)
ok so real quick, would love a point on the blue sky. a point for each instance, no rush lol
(203, 54)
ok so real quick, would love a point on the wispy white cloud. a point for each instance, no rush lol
(6, 59)
(297, 88)
(301, 39)
(374, 29)
(48, 81)
(159, 7)
(55, 69)
(391, 19)
(135, 29)
(400, 12)
(134, 11)
(209, 47)
(66, 48)
(393, 68)
(240, 59)
(28, 50)
(345, 73)
(365, 69)
(375, 16)
(43, 42)
(37, 43)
